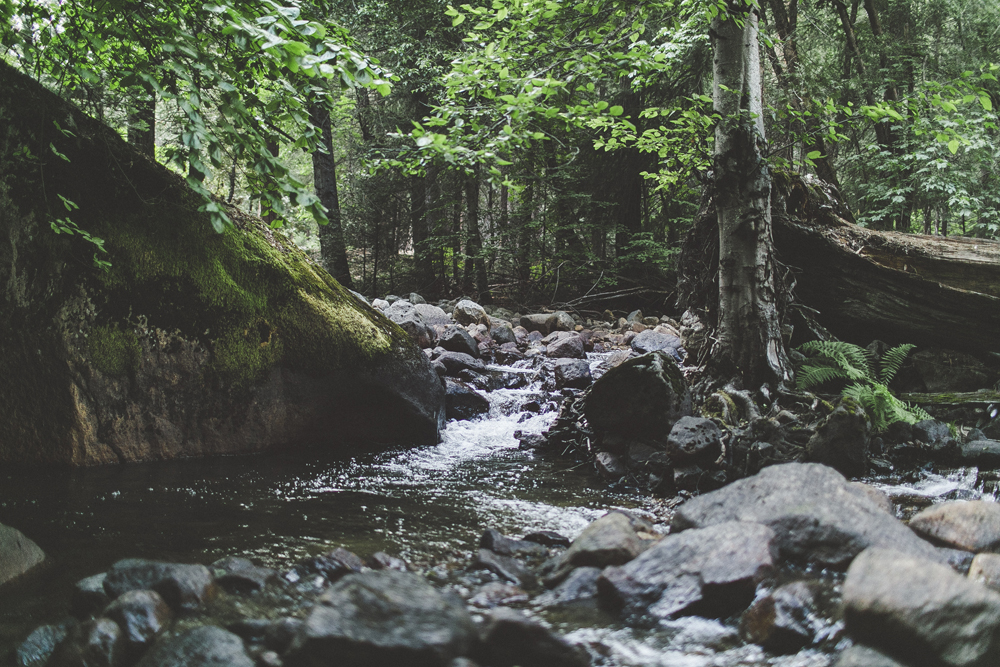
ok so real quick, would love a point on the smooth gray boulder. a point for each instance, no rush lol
(860, 655)
(546, 323)
(694, 440)
(455, 362)
(841, 440)
(984, 453)
(184, 587)
(611, 540)
(783, 621)
(921, 612)
(18, 554)
(432, 315)
(141, 616)
(405, 314)
(510, 638)
(203, 646)
(816, 514)
(239, 575)
(469, 312)
(572, 373)
(640, 399)
(456, 339)
(650, 341)
(568, 345)
(464, 402)
(383, 618)
(708, 572)
(970, 525)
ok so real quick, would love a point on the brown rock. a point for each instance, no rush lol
(970, 525)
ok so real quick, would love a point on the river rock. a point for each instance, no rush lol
(456, 362)
(695, 440)
(548, 538)
(239, 575)
(505, 567)
(841, 440)
(404, 314)
(985, 568)
(572, 373)
(432, 316)
(96, 643)
(609, 466)
(89, 596)
(817, 516)
(464, 402)
(510, 638)
(864, 656)
(18, 554)
(380, 304)
(498, 543)
(336, 564)
(983, 453)
(383, 561)
(469, 312)
(919, 611)
(651, 341)
(458, 339)
(141, 616)
(502, 333)
(383, 618)
(578, 589)
(193, 342)
(931, 431)
(970, 525)
(37, 649)
(708, 572)
(203, 646)
(546, 323)
(935, 370)
(640, 399)
(184, 587)
(611, 540)
(781, 620)
(570, 345)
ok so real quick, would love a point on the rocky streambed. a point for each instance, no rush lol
(493, 548)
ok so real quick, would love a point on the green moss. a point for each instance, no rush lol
(244, 358)
(113, 351)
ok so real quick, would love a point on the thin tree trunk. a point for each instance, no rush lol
(333, 248)
(749, 346)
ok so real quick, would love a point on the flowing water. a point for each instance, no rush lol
(426, 505)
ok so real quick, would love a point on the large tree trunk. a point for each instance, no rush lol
(333, 248)
(899, 288)
(748, 346)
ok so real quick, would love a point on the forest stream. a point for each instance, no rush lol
(428, 505)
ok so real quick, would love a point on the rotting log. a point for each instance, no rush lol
(900, 288)
(857, 284)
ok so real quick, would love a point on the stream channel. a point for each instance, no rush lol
(429, 505)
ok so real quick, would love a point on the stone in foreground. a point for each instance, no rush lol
(708, 572)
(921, 612)
(817, 515)
(972, 525)
(512, 639)
(204, 646)
(18, 554)
(383, 618)
(184, 587)
(611, 540)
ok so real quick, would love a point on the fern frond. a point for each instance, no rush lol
(833, 360)
(893, 360)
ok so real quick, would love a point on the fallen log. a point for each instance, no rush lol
(901, 288)
(858, 284)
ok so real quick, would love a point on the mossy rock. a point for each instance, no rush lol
(193, 342)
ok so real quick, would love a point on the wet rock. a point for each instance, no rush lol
(694, 440)
(879, 497)
(18, 554)
(919, 611)
(567, 346)
(688, 477)
(545, 323)
(469, 312)
(640, 399)
(496, 593)
(141, 616)
(383, 561)
(457, 339)
(383, 618)
(456, 362)
(956, 559)
(864, 656)
(203, 646)
(89, 596)
(506, 546)
(508, 353)
(646, 458)
(650, 341)
(931, 431)
(96, 643)
(781, 621)
(269, 659)
(547, 538)
(502, 334)
(184, 587)
(37, 649)
(280, 633)
(405, 315)
(708, 572)
(432, 315)
(579, 589)
(464, 402)
(968, 525)
(505, 567)
(985, 568)
(250, 630)
(817, 516)
(239, 575)
(609, 466)
(511, 638)
(572, 373)
(529, 441)
(611, 540)
(841, 440)
(336, 564)
(983, 453)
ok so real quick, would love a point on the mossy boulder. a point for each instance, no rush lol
(193, 342)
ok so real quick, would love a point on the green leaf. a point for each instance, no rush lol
(616, 111)
(814, 155)
(458, 20)
(986, 102)
(953, 146)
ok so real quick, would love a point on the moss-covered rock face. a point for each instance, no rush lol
(193, 342)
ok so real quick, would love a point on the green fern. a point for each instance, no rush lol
(833, 361)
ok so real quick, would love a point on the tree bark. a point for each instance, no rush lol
(748, 346)
(333, 248)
